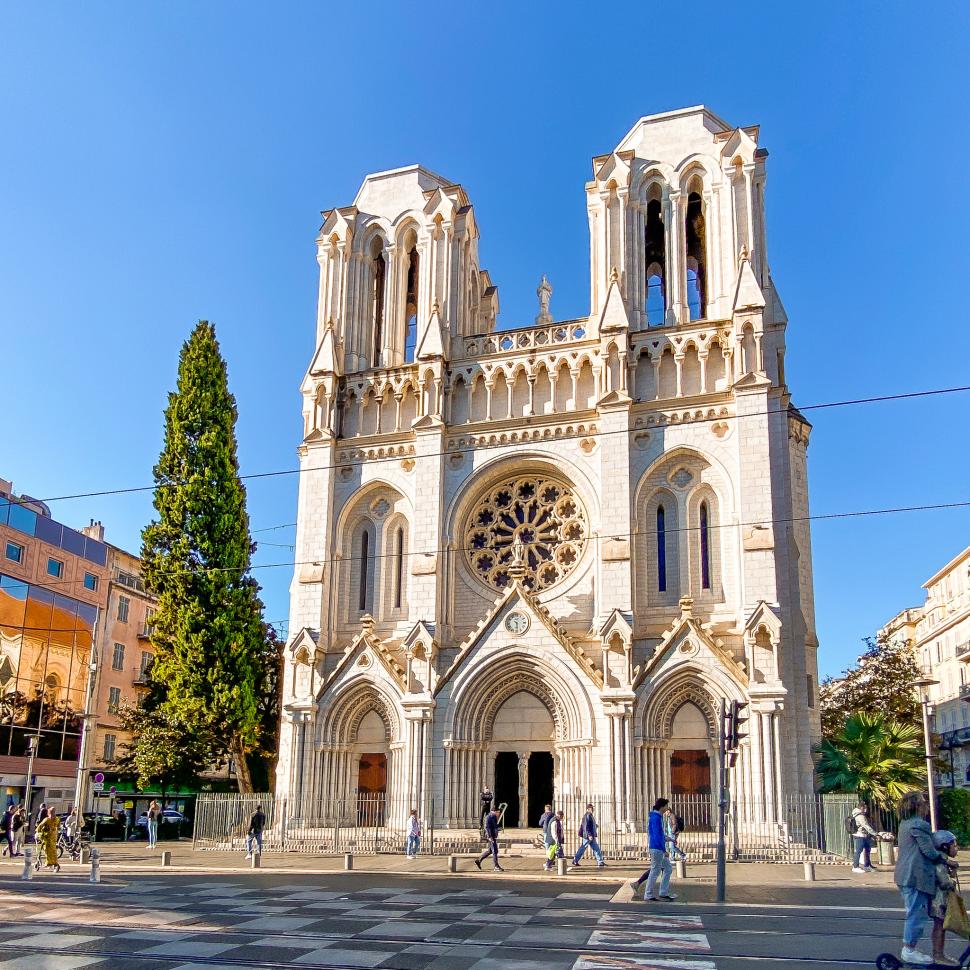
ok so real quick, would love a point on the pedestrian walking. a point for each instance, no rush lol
(553, 836)
(154, 814)
(19, 828)
(946, 842)
(673, 826)
(491, 836)
(39, 817)
(588, 833)
(71, 825)
(46, 835)
(6, 830)
(486, 800)
(916, 872)
(660, 867)
(864, 837)
(414, 835)
(547, 813)
(254, 834)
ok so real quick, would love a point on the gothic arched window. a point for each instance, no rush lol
(411, 306)
(695, 234)
(378, 275)
(398, 567)
(655, 259)
(705, 543)
(365, 573)
(661, 550)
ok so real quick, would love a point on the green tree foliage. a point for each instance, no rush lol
(872, 756)
(955, 812)
(882, 680)
(208, 631)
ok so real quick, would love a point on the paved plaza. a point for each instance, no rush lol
(162, 921)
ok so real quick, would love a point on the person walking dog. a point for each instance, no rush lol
(916, 872)
(491, 836)
(660, 867)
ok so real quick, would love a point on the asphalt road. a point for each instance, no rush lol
(255, 919)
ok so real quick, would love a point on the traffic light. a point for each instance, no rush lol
(735, 720)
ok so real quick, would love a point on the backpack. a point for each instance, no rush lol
(678, 824)
(548, 832)
(850, 826)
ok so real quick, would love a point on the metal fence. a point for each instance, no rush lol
(799, 828)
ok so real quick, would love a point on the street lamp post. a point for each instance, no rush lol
(32, 740)
(923, 684)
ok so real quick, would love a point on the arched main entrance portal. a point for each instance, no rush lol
(522, 727)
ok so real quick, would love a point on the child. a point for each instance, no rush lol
(946, 842)
(671, 832)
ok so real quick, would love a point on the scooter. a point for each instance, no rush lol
(889, 961)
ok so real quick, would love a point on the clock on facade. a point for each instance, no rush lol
(517, 623)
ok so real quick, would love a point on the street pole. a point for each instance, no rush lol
(722, 804)
(32, 740)
(924, 684)
(82, 755)
(930, 781)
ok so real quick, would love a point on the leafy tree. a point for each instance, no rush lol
(161, 751)
(872, 756)
(882, 680)
(208, 631)
(955, 812)
(262, 760)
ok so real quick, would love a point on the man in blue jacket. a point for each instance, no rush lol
(491, 835)
(660, 867)
(588, 833)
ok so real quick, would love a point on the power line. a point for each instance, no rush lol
(789, 520)
(349, 442)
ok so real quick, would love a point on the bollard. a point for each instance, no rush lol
(560, 867)
(85, 856)
(166, 858)
(28, 872)
(348, 861)
(810, 872)
(95, 865)
(681, 867)
(452, 863)
(255, 862)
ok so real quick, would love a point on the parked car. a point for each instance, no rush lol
(171, 825)
(108, 827)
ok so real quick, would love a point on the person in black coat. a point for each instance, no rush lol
(491, 835)
(487, 798)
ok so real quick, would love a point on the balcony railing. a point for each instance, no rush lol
(963, 651)
(145, 631)
(955, 739)
(528, 338)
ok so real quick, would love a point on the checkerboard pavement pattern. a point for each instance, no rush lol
(224, 924)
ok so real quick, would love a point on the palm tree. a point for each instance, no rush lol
(877, 758)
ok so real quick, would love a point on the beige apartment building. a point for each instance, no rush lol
(939, 631)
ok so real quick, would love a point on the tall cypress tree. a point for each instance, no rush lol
(208, 632)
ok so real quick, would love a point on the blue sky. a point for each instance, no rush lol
(164, 163)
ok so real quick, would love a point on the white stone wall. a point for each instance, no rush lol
(624, 414)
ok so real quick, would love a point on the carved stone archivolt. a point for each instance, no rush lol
(542, 514)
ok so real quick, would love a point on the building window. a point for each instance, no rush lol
(661, 550)
(55, 567)
(705, 549)
(109, 747)
(379, 272)
(655, 258)
(398, 567)
(15, 552)
(146, 663)
(696, 236)
(364, 574)
(90, 581)
(124, 604)
(411, 306)
(114, 699)
(118, 660)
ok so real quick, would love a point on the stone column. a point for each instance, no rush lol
(523, 788)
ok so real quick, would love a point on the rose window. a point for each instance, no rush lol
(537, 520)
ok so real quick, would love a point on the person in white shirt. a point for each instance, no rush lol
(414, 835)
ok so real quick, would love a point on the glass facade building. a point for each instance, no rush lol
(45, 647)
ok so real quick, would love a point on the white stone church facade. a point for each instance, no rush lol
(540, 557)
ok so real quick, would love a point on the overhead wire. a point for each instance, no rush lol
(350, 442)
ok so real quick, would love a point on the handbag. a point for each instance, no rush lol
(956, 919)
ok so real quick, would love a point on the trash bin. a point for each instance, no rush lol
(885, 853)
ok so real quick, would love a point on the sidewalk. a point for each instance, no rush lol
(136, 857)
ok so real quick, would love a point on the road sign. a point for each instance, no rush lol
(98, 786)
(99, 779)
(113, 790)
